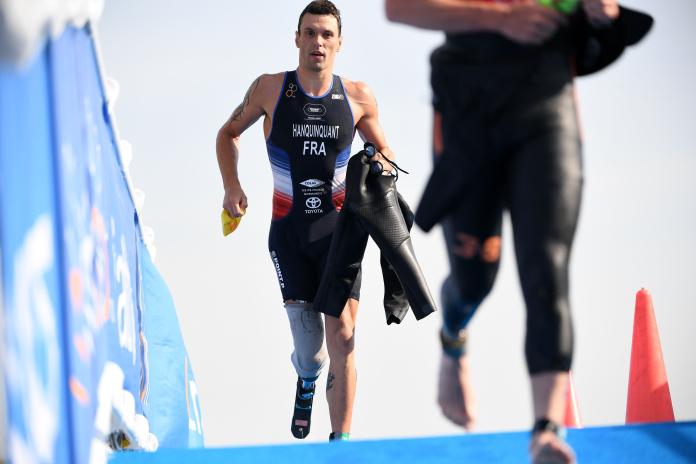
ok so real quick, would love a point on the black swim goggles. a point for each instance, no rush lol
(376, 167)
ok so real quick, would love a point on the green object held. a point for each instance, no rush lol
(564, 6)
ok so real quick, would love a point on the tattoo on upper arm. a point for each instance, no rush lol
(237, 114)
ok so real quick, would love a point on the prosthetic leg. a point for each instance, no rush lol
(395, 299)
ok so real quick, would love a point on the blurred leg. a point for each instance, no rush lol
(472, 238)
(544, 198)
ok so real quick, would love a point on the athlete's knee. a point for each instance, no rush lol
(544, 278)
(475, 265)
(544, 275)
(307, 327)
(471, 247)
(470, 282)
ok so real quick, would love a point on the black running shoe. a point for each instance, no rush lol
(302, 416)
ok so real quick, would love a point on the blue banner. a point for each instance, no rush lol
(171, 376)
(99, 239)
(92, 337)
(34, 365)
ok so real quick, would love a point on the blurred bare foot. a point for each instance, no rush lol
(549, 448)
(455, 393)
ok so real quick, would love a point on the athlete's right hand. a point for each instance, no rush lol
(529, 23)
(235, 201)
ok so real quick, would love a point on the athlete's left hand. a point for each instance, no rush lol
(601, 13)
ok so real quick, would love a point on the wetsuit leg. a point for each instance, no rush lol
(544, 199)
(395, 298)
(472, 237)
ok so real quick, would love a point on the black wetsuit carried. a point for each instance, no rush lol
(508, 110)
(309, 147)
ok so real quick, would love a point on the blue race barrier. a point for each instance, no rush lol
(87, 316)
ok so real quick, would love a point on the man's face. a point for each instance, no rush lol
(318, 41)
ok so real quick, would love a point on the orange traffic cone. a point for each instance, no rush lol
(572, 413)
(648, 391)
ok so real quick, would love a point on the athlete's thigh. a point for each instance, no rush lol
(545, 186)
(296, 273)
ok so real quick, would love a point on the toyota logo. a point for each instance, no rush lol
(313, 202)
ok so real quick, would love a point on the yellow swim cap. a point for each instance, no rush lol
(229, 223)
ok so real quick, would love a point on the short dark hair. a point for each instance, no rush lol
(321, 7)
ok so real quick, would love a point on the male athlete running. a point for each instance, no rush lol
(309, 119)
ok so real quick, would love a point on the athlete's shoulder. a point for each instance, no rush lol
(358, 91)
(273, 77)
(264, 90)
(269, 83)
(361, 98)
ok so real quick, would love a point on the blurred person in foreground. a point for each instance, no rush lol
(506, 136)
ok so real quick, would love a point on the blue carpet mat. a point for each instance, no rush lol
(650, 443)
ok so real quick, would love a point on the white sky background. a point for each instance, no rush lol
(184, 66)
